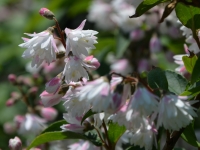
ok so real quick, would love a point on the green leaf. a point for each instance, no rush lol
(146, 5)
(176, 83)
(115, 132)
(156, 79)
(93, 137)
(55, 126)
(192, 92)
(53, 136)
(122, 44)
(195, 73)
(188, 15)
(189, 136)
(87, 114)
(189, 62)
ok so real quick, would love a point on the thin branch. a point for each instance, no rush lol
(25, 100)
(169, 145)
(104, 143)
(60, 32)
(106, 134)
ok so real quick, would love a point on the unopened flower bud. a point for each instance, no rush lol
(9, 127)
(15, 144)
(49, 114)
(33, 90)
(46, 13)
(12, 78)
(92, 62)
(53, 85)
(15, 95)
(10, 102)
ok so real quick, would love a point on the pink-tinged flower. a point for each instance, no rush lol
(137, 35)
(143, 102)
(49, 114)
(144, 135)
(178, 60)
(53, 85)
(97, 94)
(74, 123)
(83, 145)
(41, 47)
(72, 103)
(100, 117)
(91, 62)
(121, 66)
(15, 144)
(174, 112)
(121, 93)
(50, 99)
(31, 124)
(99, 12)
(120, 116)
(79, 41)
(155, 44)
(74, 70)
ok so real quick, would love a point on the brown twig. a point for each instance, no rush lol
(102, 140)
(25, 100)
(60, 32)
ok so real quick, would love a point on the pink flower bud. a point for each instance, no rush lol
(53, 85)
(10, 102)
(15, 95)
(46, 13)
(49, 99)
(33, 90)
(49, 113)
(92, 62)
(15, 144)
(18, 120)
(9, 128)
(12, 78)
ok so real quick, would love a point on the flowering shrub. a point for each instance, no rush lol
(130, 106)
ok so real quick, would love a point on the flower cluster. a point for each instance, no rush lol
(119, 97)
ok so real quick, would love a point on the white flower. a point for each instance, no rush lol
(41, 47)
(83, 145)
(143, 101)
(121, 17)
(99, 12)
(193, 45)
(97, 94)
(31, 124)
(79, 41)
(174, 113)
(186, 31)
(74, 123)
(144, 135)
(74, 70)
(72, 103)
